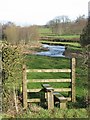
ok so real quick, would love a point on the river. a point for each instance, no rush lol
(52, 51)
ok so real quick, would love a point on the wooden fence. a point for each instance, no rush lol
(71, 71)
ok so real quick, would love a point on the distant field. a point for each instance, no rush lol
(44, 31)
(48, 32)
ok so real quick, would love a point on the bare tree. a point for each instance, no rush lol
(12, 33)
(16, 34)
(63, 25)
(58, 24)
(29, 35)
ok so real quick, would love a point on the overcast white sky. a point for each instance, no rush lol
(40, 11)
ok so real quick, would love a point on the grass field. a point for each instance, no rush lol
(48, 32)
(43, 62)
(44, 31)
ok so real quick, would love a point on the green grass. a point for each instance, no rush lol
(43, 62)
(69, 36)
(38, 113)
(74, 48)
(64, 36)
(36, 61)
(44, 31)
(56, 113)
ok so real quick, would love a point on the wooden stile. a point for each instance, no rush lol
(49, 95)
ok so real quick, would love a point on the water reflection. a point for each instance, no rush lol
(53, 51)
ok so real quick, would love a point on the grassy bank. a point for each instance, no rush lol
(62, 43)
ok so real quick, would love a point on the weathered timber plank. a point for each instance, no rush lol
(48, 70)
(33, 100)
(49, 80)
(50, 99)
(33, 90)
(68, 98)
(48, 88)
(62, 89)
(55, 89)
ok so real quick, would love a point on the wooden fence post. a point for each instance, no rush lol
(24, 87)
(50, 99)
(73, 64)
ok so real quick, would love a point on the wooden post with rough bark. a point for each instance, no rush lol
(73, 64)
(24, 87)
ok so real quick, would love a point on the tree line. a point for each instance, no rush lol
(62, 25)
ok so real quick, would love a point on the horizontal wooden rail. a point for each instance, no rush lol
(38, 100)
(48, 80)
(55, 89)
(33, 100)
(48, 70)
(62, 89)
(33, 90)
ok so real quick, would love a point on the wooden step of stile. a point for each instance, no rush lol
(62, 100)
